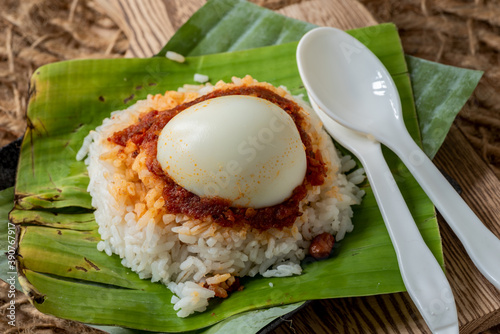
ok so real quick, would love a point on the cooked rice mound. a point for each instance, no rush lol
(197, 258)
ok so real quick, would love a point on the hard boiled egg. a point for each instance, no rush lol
(241, 148)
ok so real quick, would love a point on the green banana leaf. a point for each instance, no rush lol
(234, 25)
(60, 264)
(440, 91)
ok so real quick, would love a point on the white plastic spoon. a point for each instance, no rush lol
(353, 87)
(423, 277)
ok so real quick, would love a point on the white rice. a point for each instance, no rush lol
(201, 78)
(181, 252)
(175, 56)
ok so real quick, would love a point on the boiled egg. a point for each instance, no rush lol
(240, 148)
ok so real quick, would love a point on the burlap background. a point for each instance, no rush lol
(36, 32)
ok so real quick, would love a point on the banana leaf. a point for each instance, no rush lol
(440, 91)
(235, 25)
(60, 265)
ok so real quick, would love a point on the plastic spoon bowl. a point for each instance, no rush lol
(353, 87)
(423, 277)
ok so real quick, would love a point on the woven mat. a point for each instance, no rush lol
(36, 32)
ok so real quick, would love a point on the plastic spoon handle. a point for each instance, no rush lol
(480, 243)
(423, 277)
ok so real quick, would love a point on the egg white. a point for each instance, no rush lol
(241, 148)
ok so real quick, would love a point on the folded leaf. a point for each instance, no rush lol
(440, 92)
(233, 25)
